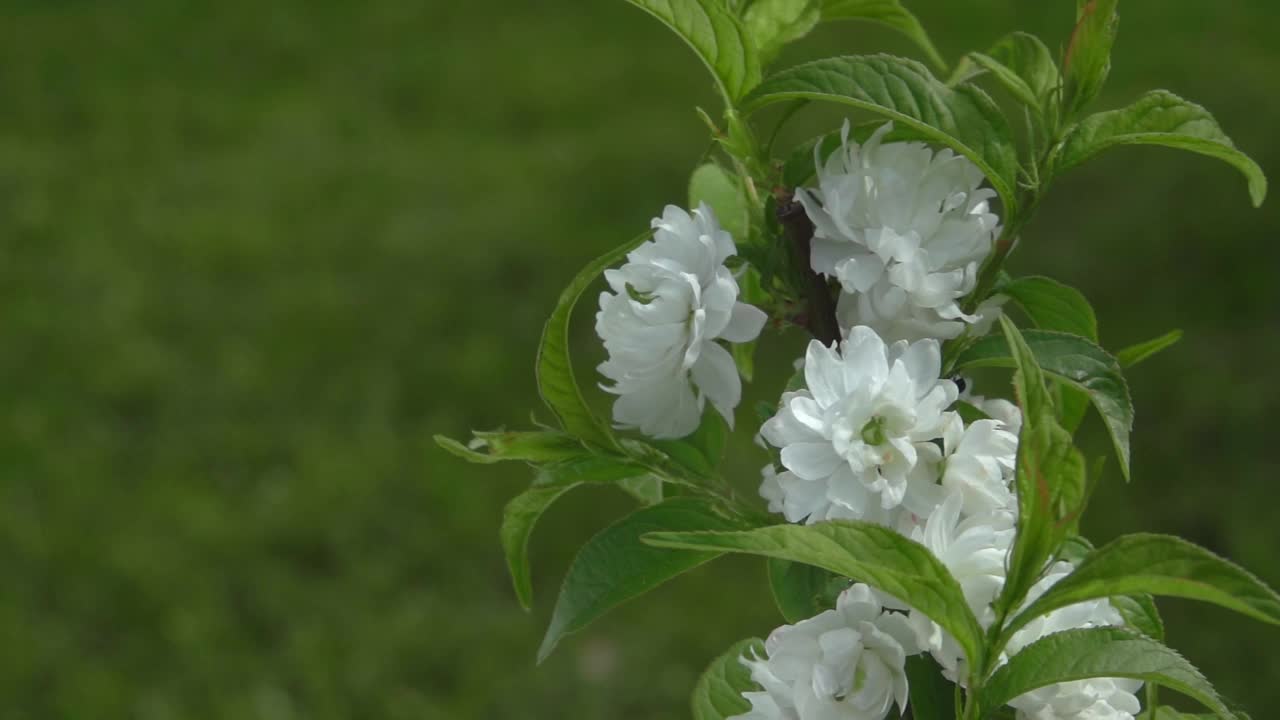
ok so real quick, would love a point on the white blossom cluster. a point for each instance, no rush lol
(872, 435)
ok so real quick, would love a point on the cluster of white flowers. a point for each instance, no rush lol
(873, 436)
(904, 230)
(669, 304)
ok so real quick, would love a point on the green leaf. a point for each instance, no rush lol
(1049, 477)
(718, 38)
(868, 553)
(1088, 56)
(773, 24)
(588, 468)
(556, 382)
(645, 488)
(1135, 354)
(1140, 613)
(1098, 652)
(1159, 565)
(518, 519)
(523, 511)
(712, 185)
(493, 447)
(1052, 305)
(1158, 118)
(718, 694)
(799, 590)
(931, 694)
(964, 119)
(889, 13)
(1076, 362)
(1025, 66)
(615, 566)
(969, 412)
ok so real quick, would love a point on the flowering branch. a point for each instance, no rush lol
(820, 318)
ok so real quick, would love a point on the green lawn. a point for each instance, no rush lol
(255, 254)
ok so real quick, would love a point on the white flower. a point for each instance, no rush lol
(974, 550)
(843, 664)
(672, 299)
(904, 230)
(856, 442)
(1091, 699)
(979, 463)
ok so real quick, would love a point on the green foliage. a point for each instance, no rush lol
(1098, 652)
(518, 518)
(774, 24)
(556, 383)
(1159, 118)
(718, 694)
(717, 36)
(711, 184)
(1049, 477)
(615, 566)
(964, 118)
(1088, 56)
(889, 13)
(1075, 361)
(799, 590)
(494, 447)
(1159, 565)
(1052, 305)
(1024, 66)
(931, 694)
(1060, 370)
(875, 555)
(1135, 354)
(1140, 613)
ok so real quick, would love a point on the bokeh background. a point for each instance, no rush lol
(253, 255)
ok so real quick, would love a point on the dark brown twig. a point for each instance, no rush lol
(798, 229)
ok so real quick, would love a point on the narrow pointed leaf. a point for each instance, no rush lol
(1140, 613)
(501, 446)
(889, 13)
(615, 566)
(1088, 56)
(718, 695)
(556, 383)
(1135, 354)
(773, 24)
(798, 589)
(716, 35)
(1077, 362)
(1049, 476)
(518, 519)
(1098, 653)
(1027, 59)
(964, 118)
(931, 694)
(1159, 565)
(1052, 305)
(552, 481)
(1159, 118)
(868, 553)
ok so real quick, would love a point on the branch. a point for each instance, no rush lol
(798, 229)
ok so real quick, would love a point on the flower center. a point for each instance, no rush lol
(873, 432)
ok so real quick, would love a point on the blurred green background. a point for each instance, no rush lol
(255, 254)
